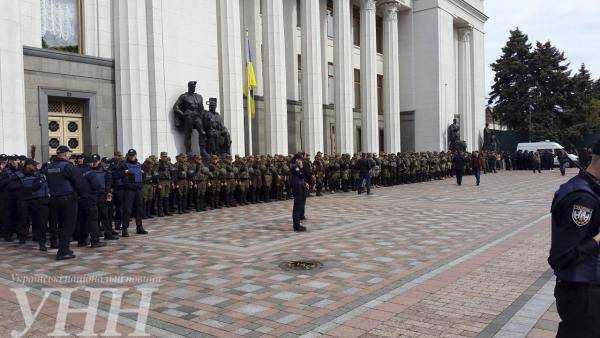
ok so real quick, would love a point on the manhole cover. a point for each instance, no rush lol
(301, 265)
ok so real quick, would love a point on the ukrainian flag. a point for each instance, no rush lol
(250, 81)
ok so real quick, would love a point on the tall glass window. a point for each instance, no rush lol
(61, 25)
(357, 97)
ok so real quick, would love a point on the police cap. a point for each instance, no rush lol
(22, 158)
(131, 152)
(3, 158)
(62, 150)
(30, 161)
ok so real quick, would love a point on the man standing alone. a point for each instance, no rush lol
(299, 188)
(459, 166)
(365, 164)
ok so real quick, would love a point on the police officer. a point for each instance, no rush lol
(299, 187)
(133, 202)
(88, 206)
(575, 252)
(63, 183)
(100, 182)
(32, 202)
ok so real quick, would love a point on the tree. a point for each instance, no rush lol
(550, 91)
(596, 90)
(511, 90)
(578, 118)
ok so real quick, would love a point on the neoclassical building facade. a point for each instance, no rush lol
(336, 76)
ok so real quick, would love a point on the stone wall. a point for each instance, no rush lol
(46, 69)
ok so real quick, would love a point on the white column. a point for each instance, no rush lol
(131, 77)
(13, 138)
(291, 9)
(344, 77)
(156, 78)
(231, 73)
(97, 28)
(465, 86)
(479, 67)
(323, 11)
(312, 85)
(391, 77)
(368, 77)
(274, 77)
(31, 23)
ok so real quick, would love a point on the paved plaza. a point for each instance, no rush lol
(430, 259)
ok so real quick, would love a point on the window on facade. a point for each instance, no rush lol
(330, 22)
(331, 82)
(380, 94)
(357, 101)
(61, 25)
(379, 34)
(356, 25)
(298, 14)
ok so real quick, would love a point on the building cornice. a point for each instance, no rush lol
(65, 56)
(470, 9)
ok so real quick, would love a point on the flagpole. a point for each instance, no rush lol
(249, 111)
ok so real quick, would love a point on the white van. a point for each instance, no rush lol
(546, 145)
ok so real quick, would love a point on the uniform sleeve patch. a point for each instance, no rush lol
(581, 215)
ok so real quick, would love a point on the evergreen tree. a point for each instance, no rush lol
(511, 90)
(596, 90)
(550, 91)
(577, 119)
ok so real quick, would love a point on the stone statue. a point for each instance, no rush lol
(490, 141)
(188, 111)
(213, 136)
(454, 136)
(219, 140)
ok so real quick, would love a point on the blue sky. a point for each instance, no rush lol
(571, 25)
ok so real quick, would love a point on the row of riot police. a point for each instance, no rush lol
(70, 198)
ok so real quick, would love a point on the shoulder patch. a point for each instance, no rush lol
(581, 215)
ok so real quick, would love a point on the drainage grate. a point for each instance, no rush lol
(301, 265)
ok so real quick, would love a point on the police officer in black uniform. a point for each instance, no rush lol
(575, 252)
(63, 183)
(299, 188)
(32, 202)
(100, 182)
(133, 200)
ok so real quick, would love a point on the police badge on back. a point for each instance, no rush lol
(581, 215)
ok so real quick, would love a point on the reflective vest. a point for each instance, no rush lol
(97, 181)
(135, 170)
(28, 181)
(58, 180)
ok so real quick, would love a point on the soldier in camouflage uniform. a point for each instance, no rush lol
(267, 178)
(243, 180)
(164, 184)
(181, 183)
(231, 174)
(201, 180)
(255, 180)
(214, 188)
(148, 185)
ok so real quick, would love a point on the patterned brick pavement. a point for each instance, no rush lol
(430, 259)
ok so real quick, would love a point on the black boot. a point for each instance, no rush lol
(165, 203)
(140, 230)
(149, 209)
